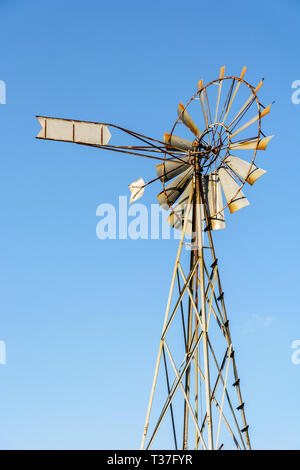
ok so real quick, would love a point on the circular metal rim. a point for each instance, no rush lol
(252, 89)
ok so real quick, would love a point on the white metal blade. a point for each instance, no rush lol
(249, 172)
(245, 104)
(174, 189)
(222, 70)
(200, 86)
(234, 93)
(252, 121)
(260, 144)
(183, 211)
(171, 168)
(234, 196)
(172, 141)
(137, 189)
(79, 132)
(187, 120)
(213, 196)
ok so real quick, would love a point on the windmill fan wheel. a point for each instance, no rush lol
(216, 138)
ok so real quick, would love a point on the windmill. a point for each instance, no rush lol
(204, 162)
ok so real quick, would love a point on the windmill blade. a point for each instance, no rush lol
(245, 170)
(246, 103)
(235, 198)
(213, 196)
(174, 189)
(200, 86)
(222, 71)
(234, 93)
(137, 189)
(172, 141)
(171, 168)
(187, 120)
(183, 211)
(79, 132)
(258, 144)
(252, 121)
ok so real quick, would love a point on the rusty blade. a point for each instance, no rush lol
(174, 189)
(171, 168)
(259, 144)
(187, 120)
(246, 103)
(221, 75)
(182, 211)
(252, 121)
(172, 141)
(235, 198)
(247, 171)
(234, 93)
(213, 196)
(200, 87)
(79, 132)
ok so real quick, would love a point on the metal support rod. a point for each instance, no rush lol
(199, 199)
(202, 307)
(223, 395)
(185, 396)
(196, 359)
(218, 406)
(173, 391)
(228, 337)
(191, 297)
(163, 329)
(227, 395)
(189, 335)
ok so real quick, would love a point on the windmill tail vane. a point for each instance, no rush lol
(204, 165)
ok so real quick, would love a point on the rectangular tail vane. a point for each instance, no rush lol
(79, 132)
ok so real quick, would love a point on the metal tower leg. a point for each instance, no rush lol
(206, 324)
(175, 271)
(199, 199)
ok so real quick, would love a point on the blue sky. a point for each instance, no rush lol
(80, 317)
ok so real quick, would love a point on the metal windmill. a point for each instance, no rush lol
(200, 404)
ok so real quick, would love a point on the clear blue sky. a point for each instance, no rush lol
(81, 317)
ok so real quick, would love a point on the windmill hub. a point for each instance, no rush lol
(209, 146)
